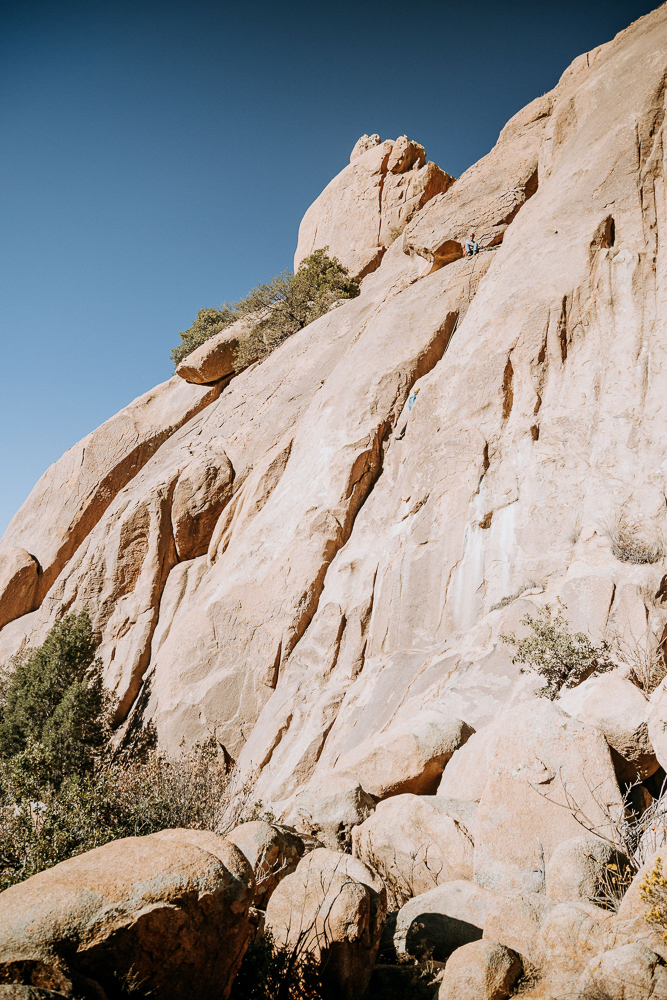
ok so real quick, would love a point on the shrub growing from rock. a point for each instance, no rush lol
(564, 659)
(282, 307)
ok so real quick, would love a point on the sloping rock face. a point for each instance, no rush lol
(273, 558)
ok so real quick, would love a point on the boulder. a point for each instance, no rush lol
(417, 842)
(571, 934)
(576, 870)
(202, 489)
(435, 923)
(328, 808)
(334, 907)
(516, 920)
(657, 722)
(409, 757)
(169, 911)
(547, 769)
(481, 970)
(272, 851)
(467, 772)
(19, 573)
(215, 358)
(616, 707)
(632, 972)
(368, 204)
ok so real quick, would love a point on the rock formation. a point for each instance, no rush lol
(295, 559)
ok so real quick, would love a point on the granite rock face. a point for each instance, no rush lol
(293, 558)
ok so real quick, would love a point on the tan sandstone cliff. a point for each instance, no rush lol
(267, 559)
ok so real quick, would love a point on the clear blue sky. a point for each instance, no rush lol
(157, 157)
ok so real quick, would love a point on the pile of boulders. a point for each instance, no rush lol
(498, 878)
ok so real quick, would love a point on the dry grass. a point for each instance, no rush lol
(644, 656)
(632, 540)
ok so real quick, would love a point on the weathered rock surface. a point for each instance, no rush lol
(19, 577)
(436, 923)
(657, 722)
(73, 495)
(417, 841)
(632, 972)
(408, 757)
(575, 870)
(353, 577)
(547, 769)
(273, 853)
(329, 810)
(169, 910)
(335, 907)
(619, 710)
(369, 203)
(481, 970)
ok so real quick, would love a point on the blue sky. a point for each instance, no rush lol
(158, 157)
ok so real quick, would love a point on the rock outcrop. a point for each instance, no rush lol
(369, 203)
(293, 557)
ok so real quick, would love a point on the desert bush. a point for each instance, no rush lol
(65, 789)
(55, 700)
(269, 972)
(653, 892)
(279, 309)
(644, 656)
(633, 542)
(563, 658)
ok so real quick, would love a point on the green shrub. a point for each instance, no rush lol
(562, 658)
(55, 700)
(64, 789)
(282, 307)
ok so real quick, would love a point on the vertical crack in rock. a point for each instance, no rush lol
(508, 389)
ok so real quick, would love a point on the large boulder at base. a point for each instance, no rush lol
(657, 722)
(409, 757)
(169, 911)
(547, 769)
(616, 707)
(215, 358)
(435, 923)
(418, 841)
(481, 970)
(334, 907)
(328, 808)
(575, 871)
(632, 972)
(368, 204)
(516, 920)
(273, 852)
(19, 573)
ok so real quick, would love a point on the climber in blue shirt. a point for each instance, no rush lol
(411, 402)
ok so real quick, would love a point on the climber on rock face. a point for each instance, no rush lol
(472, 246)
(411, 402)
